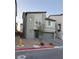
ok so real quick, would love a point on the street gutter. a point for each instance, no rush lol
(35, 49)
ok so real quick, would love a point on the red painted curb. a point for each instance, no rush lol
(29, 48)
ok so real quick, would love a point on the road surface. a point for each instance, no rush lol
(53, 53)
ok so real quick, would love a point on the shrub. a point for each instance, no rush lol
(42, 44)
(51, 44)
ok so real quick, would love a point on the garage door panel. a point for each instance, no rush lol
(48, 36)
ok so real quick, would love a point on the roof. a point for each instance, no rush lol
(56, 15)
(35, 12)
(50, 19)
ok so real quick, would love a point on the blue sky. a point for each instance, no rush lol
(50, 6)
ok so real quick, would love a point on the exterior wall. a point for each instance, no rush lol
(59, 20)
(30, 23)
(51, 27)
(38, 18)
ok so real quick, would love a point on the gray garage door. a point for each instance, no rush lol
(48, 36)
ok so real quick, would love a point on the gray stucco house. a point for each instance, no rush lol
(31, 22)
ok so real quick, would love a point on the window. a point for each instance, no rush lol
(59, 27)
(49, 23)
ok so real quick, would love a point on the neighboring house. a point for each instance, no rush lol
(19, 30)
(49, 30)
(59, 23)
(31, 22)
(50, 25)
(21, 27)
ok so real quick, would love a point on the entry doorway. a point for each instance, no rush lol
(36, 33)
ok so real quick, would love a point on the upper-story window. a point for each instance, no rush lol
(37, 22)
(49, 23)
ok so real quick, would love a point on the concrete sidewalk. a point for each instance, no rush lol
(30, 43)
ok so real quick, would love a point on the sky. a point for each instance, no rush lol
(50, 6)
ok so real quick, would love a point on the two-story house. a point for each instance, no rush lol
(59, 23)
(49, 30)
(31, 22)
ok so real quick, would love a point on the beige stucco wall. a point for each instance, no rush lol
(59, 19)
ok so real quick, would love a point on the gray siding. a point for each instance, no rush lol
(29, 24)
(24, 24)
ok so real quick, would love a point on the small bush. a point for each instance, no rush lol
(42, 44)
(51, 44)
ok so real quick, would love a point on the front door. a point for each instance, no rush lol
(36, 33)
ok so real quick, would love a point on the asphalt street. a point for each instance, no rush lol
(54, 53)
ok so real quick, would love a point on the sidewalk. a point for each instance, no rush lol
(33, 43)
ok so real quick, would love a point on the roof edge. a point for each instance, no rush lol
(35, 12)
(55, 15)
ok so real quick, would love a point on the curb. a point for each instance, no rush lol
(30, 48)
(35, 49)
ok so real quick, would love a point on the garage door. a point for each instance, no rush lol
(48, 36)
